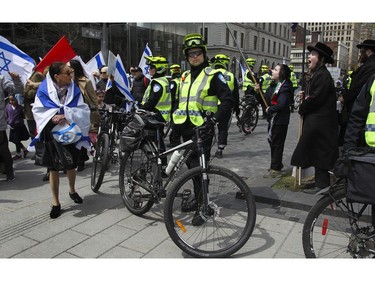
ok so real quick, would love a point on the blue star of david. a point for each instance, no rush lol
(66, 137)
(147, 69)
(6, 62)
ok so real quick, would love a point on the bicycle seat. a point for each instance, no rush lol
(155, 123)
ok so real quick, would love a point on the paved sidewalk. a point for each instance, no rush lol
(103, 228)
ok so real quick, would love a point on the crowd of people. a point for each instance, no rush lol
(63, 95)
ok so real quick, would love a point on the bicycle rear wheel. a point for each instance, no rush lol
(327, 231)
(249, 119)
(100, 162)
(136, 172)
(227, 226)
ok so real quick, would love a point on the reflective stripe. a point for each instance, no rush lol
(370, 122)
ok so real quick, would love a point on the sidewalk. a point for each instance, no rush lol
(103, 228)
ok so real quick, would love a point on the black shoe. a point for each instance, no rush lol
(189, 206)
(46, 177)
(80, 167)
(313, 190)
(11, 177)
(197, 219)
(219, 153)
(76, 198)
(55, 211)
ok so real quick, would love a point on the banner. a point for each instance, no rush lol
(13, 59)
(61, 52)
(142, 62)
(243, 70)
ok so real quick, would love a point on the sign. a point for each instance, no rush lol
(91, 33)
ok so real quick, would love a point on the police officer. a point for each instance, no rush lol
(174, 84)
(293, 79)
(157, 97)
(248, 83)
(220, 62)
(201, 89)
(264, 83)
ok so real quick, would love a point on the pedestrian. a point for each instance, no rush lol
(16, 122)
(59, 101)
(7, 87)
(29, 92)
(157, 97)
(89, 96)
(358, 79)
(318, 144)
(201, 89)
(140, 84)
(221, 62)
(279, 113)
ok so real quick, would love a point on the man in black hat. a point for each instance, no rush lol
(140, 84)
(317, 146)
(359, 78)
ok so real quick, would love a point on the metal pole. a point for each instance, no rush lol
(303, 57)
(248, 67)
(104, 45)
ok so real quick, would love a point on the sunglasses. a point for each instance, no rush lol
(195, 54)
(68, 72)
(194, 42)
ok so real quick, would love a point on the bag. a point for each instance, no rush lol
(49, 153)
(361, 176)
(132, 135)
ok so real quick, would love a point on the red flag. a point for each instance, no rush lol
(62, 51)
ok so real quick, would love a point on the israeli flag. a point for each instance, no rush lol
(122, 81)
(95, 62)
(142, 62)
(13, 59)
(243, 70)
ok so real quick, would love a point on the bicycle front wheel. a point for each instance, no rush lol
(249, 119)
(136, 174)
(328, 232)
(100, 162)
(227, 224)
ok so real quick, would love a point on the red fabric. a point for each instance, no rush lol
(62, 51)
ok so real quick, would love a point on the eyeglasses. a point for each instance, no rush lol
(103, 72)
(195, 53)
(194, 41)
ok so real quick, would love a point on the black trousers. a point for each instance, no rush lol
(322, 178)
(278, 136)
(5, 155)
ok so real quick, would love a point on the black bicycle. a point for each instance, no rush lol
(209, 210)
(107, 150)
(249, 116)
(339, 228)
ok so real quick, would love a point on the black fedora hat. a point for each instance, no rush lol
(324, 50)
(370, 44)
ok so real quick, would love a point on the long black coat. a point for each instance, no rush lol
(318, 144)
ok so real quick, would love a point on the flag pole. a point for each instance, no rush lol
(248, 67)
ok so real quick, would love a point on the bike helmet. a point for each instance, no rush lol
(264, 68)
(291, 67)
(175, 69)
(194, 40)
(251, 62)
(221, 61)
(159, 63)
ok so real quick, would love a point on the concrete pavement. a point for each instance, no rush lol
(102, 227)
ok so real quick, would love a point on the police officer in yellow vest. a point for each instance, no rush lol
(264, 83)
(220, 62)
(157, 97)
(360, 131)
(248, 83)
(201, 89)
(293, 79)
(174, 84)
